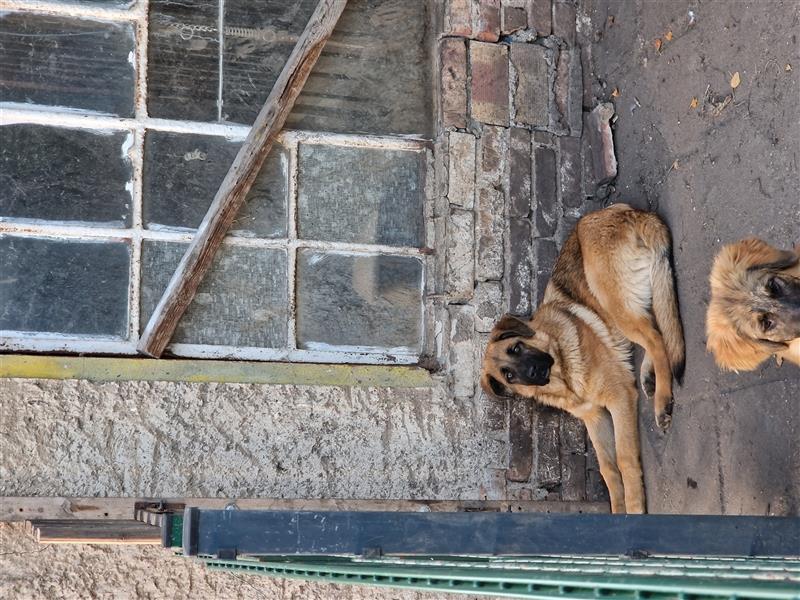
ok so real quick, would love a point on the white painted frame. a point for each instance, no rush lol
(137, 13)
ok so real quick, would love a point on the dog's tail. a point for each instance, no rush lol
(665, 304)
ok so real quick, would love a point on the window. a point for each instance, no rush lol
(118, 122)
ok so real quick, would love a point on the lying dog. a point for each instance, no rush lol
(754, 312)
(612, 285)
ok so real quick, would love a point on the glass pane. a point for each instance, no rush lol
(70, 287)
(80, 63)
(361, 195)
(183, 59)
(48, 173)
(259, 37)
(182, 173)
(241, 302)
(373, 75)
(361, 302)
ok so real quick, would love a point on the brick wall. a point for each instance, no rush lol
(514, 172)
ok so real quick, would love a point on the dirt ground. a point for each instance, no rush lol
(717, 172)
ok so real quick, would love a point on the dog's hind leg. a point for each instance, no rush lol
(600, 428)
(647, 377)
(623, 409)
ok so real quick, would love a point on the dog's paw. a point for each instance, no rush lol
(664, 418)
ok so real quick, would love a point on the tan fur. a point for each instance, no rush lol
(739, 300)
(612, 285)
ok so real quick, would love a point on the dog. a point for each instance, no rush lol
(754, 311)
(612, 285)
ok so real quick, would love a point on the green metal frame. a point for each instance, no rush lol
(547, 577)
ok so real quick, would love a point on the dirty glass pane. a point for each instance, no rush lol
(183, 172)
(373, 75)
(49, 173)
(59, 61)
(183, 59)
(241, 302)
(258, 40)
(64, 286)
(358, 301)
(360, 195)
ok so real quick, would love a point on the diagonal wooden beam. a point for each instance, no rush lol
(237, 183)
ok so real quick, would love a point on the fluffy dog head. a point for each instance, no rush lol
(516, 360)
(755, 304)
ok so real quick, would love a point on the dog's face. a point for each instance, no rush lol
(755, 303)
(517, 359)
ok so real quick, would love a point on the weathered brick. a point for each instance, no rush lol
(541, 17)
(520, 266)
(440, 258)
(567, 113)
(461, 170)
(459, 18)
(486, 26)
(602, 143)
(564, 21)
(513, 17)
(573, 458)
(460, 255)
(519, 186)
(570, 171)
(568, 222)
(489, 88)
(548, 456)
(490, 202)
(494, 486)
(596, 490)
(544, 138)
(489, 230)
(545, 194)
(488, 303)
(520, 438)
(462, 355)
(545, 254)
(454, 82)
(532, 92)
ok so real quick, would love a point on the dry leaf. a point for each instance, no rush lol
(788, 68)
(615, 93)
(675, 165)
(668, 36)
(694, 103)
(735, 80)
(657, 44)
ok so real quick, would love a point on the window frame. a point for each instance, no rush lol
(137, 126)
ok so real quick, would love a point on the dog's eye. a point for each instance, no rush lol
(516, 348)
(509, 376)
(767, 323)
(774, 287)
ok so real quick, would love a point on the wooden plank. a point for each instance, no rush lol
(29, 508)
(85, 531)
(198, 371)
(240, 177)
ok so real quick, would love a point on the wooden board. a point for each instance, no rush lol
(86, 531)
(31, 508)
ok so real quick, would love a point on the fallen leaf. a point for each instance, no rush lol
(668, 36)
(788, 68)
(675, 165)
(657, 44)
(615, 93)
(694, 103)
(735, 80)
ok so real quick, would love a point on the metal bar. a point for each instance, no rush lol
(209, 532)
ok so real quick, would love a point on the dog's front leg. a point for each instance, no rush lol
(601, 433)
(623, 410)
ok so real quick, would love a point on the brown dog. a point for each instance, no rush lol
(754, 311)
(612, 285)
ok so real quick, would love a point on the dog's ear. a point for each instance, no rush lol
(733, 351)
(759, 255)
(494, 388)
(510, 326)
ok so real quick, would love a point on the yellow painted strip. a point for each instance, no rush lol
(221, 371)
